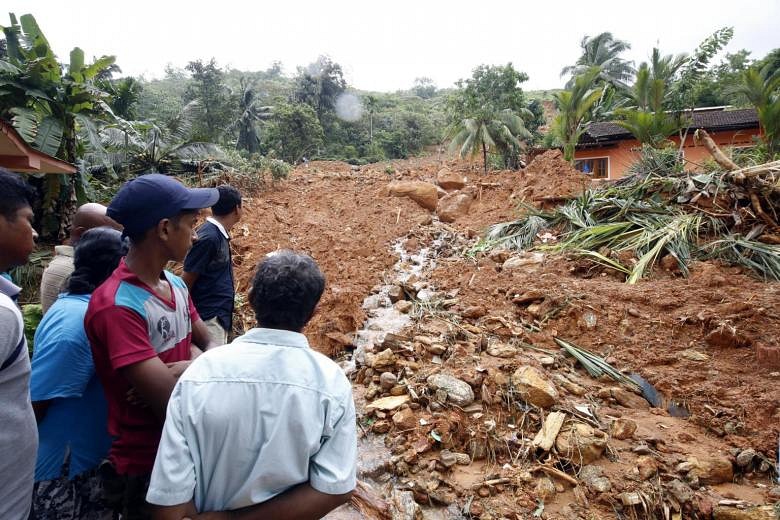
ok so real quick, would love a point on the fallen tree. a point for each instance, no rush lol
(661, 210)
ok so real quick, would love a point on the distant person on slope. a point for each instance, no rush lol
(67, 397)
(265, 428)
(55, 276)
(208, 268)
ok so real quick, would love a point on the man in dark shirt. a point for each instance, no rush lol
(208, 268)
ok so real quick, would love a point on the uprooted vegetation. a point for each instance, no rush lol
(661, 211)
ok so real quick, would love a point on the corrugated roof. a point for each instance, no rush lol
(716, 119)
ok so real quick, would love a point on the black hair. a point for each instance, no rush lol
(15, 194)
(229, 200)
(285, 290)
(95, 257)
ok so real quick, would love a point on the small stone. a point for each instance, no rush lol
(544, 489)
(630, 499)
(457, 391)
(533, 387)
(745, 457)
(462, 459)
(523, 261)
(629, 399)
(387, 403)
(474, 312)
(448, 458)
(405, 419)
(502, 350)
(622, 428)
(751, 513)
(774, 492)
(681, 491)
(387, 380)
(398, 390)
(395, 293)
(384, 359)
(593, 477)
(483, 491)
(547, 361)
(437, 349)
(403, 306)
(404, 507)
(711, 470)
(381, 427)
(647, 467)
(499, 256)
(580, 443)
(727, 336)
(635, 313)
(528, 297)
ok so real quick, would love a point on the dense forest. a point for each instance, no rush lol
(202, 116)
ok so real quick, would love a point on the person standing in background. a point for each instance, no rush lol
(208, 268)
(55, 276)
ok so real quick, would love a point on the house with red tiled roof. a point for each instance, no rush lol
(606, 150)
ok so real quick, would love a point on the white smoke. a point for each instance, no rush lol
(349, 108)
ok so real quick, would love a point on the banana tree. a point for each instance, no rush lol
(51, 106)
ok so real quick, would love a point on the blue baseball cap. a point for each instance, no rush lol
(144, 201)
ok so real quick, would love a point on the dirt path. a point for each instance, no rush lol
(694, 339)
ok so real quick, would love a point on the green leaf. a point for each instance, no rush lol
(76, 64)
(9, 68)
(49, 136)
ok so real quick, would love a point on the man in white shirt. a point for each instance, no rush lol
(266, 427)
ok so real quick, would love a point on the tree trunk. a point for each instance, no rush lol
(67, 202)
(484, 156)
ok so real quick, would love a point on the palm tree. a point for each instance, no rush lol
(489, 130)
(155, 147)
(251, 112)
(603, 51)
(574, 110)
(761, 87)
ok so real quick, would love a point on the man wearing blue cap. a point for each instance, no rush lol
(144, 330)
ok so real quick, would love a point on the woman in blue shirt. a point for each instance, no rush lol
(67, 397)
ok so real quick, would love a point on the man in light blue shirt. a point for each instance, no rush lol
(266, 427)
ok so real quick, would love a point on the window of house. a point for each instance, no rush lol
(597, 167)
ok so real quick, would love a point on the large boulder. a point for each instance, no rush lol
(454, 205)
(450, 180)
(423, 193)
(533, 387)
(458, 392)
(714, 469)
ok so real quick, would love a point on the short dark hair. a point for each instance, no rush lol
(285, 290)
(15, 194)
(229, 199)
(95, 257)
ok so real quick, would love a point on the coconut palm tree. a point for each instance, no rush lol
(251, 113)
(761, 87)
(603, 51)
(504, 131)
(574, 109)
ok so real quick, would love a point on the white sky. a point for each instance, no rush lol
(385, 45)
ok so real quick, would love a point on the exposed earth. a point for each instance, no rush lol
(459, 367)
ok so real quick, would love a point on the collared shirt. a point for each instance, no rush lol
(56, 275)
(249, 421)
(64, 374)
(126, 323)
(18, 433)
(213, 291)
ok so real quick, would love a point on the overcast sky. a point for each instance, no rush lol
(385, 45)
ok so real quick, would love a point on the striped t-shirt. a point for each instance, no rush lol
(126, 323)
